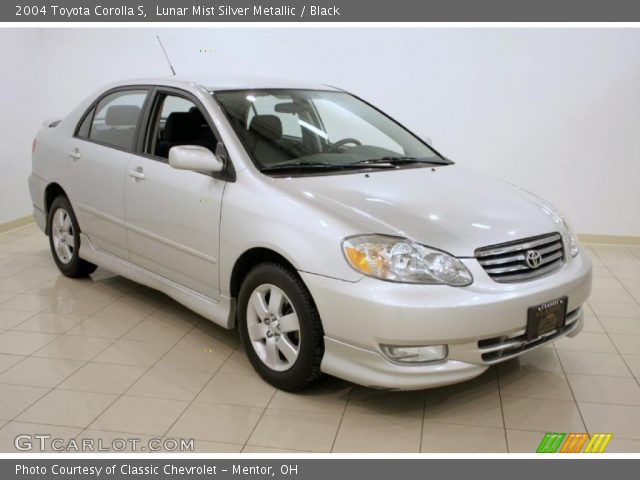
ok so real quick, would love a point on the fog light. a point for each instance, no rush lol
(420, 354)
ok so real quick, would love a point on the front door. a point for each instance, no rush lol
(173, 216)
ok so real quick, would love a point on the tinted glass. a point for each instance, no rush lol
(117, 117)
(85, 126)
(266, 105)
(178, 121)
(287, 127)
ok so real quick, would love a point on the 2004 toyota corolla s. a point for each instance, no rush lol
(335, 239)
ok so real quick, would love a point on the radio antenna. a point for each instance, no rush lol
(166, 55)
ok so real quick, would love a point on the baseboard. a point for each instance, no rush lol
(17, 223)
(609, 239)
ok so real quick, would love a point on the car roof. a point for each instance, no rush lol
(221, 83)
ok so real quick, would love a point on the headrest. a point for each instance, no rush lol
(122, 115)
(269, 126)
(195, 111)
(182, 126)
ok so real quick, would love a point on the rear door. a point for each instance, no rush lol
(173, 216)
(99, 154)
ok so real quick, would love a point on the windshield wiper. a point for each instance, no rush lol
(392, 160)
(380, 162)
(311, 165)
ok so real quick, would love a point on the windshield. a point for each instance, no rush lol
(327, 130)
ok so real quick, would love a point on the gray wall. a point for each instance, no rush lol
(556, 111)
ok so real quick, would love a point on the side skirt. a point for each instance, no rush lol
(220, 312)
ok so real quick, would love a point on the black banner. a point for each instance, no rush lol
(316, 469)
(319, 11)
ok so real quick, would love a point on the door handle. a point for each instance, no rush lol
(137, 174)
(75, 154)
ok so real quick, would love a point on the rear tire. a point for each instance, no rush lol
(64, 240)
(280, 327)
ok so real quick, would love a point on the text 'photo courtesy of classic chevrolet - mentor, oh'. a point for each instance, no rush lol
(336, 240)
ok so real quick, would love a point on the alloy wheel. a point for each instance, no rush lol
(62, 235)
(273, 327)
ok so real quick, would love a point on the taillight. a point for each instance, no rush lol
(33, 147)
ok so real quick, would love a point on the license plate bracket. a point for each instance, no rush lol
(546, 318)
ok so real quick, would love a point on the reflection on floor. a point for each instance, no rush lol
(104, 358)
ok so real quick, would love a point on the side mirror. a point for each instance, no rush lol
(193, 157)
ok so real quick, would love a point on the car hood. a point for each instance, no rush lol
(451, 208)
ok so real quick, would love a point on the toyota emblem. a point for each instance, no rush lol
(533, 258)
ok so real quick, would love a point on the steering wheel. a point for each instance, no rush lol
(340, 143)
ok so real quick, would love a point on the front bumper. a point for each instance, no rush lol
(481, 324)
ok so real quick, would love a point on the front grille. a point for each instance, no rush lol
(507, 262)
(499, 349)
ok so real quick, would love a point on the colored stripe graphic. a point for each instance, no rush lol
(583, 440)
(574, 443)
(598, 442)
(550, 442)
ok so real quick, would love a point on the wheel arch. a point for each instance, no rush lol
(306, 368)
(249, 259)
(52, 191)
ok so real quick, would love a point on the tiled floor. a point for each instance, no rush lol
(106, 358)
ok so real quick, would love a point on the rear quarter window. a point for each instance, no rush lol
(85, 126)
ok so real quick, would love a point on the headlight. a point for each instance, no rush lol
(400, 260)
(570, 240)
(568, 237)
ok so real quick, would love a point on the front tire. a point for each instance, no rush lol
(64, 240)
(280, 327)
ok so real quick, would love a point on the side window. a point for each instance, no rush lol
(116, 118)
(85, 126)
(178, 121)
(266, 105)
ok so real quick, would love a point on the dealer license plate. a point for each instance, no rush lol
(546, 318)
